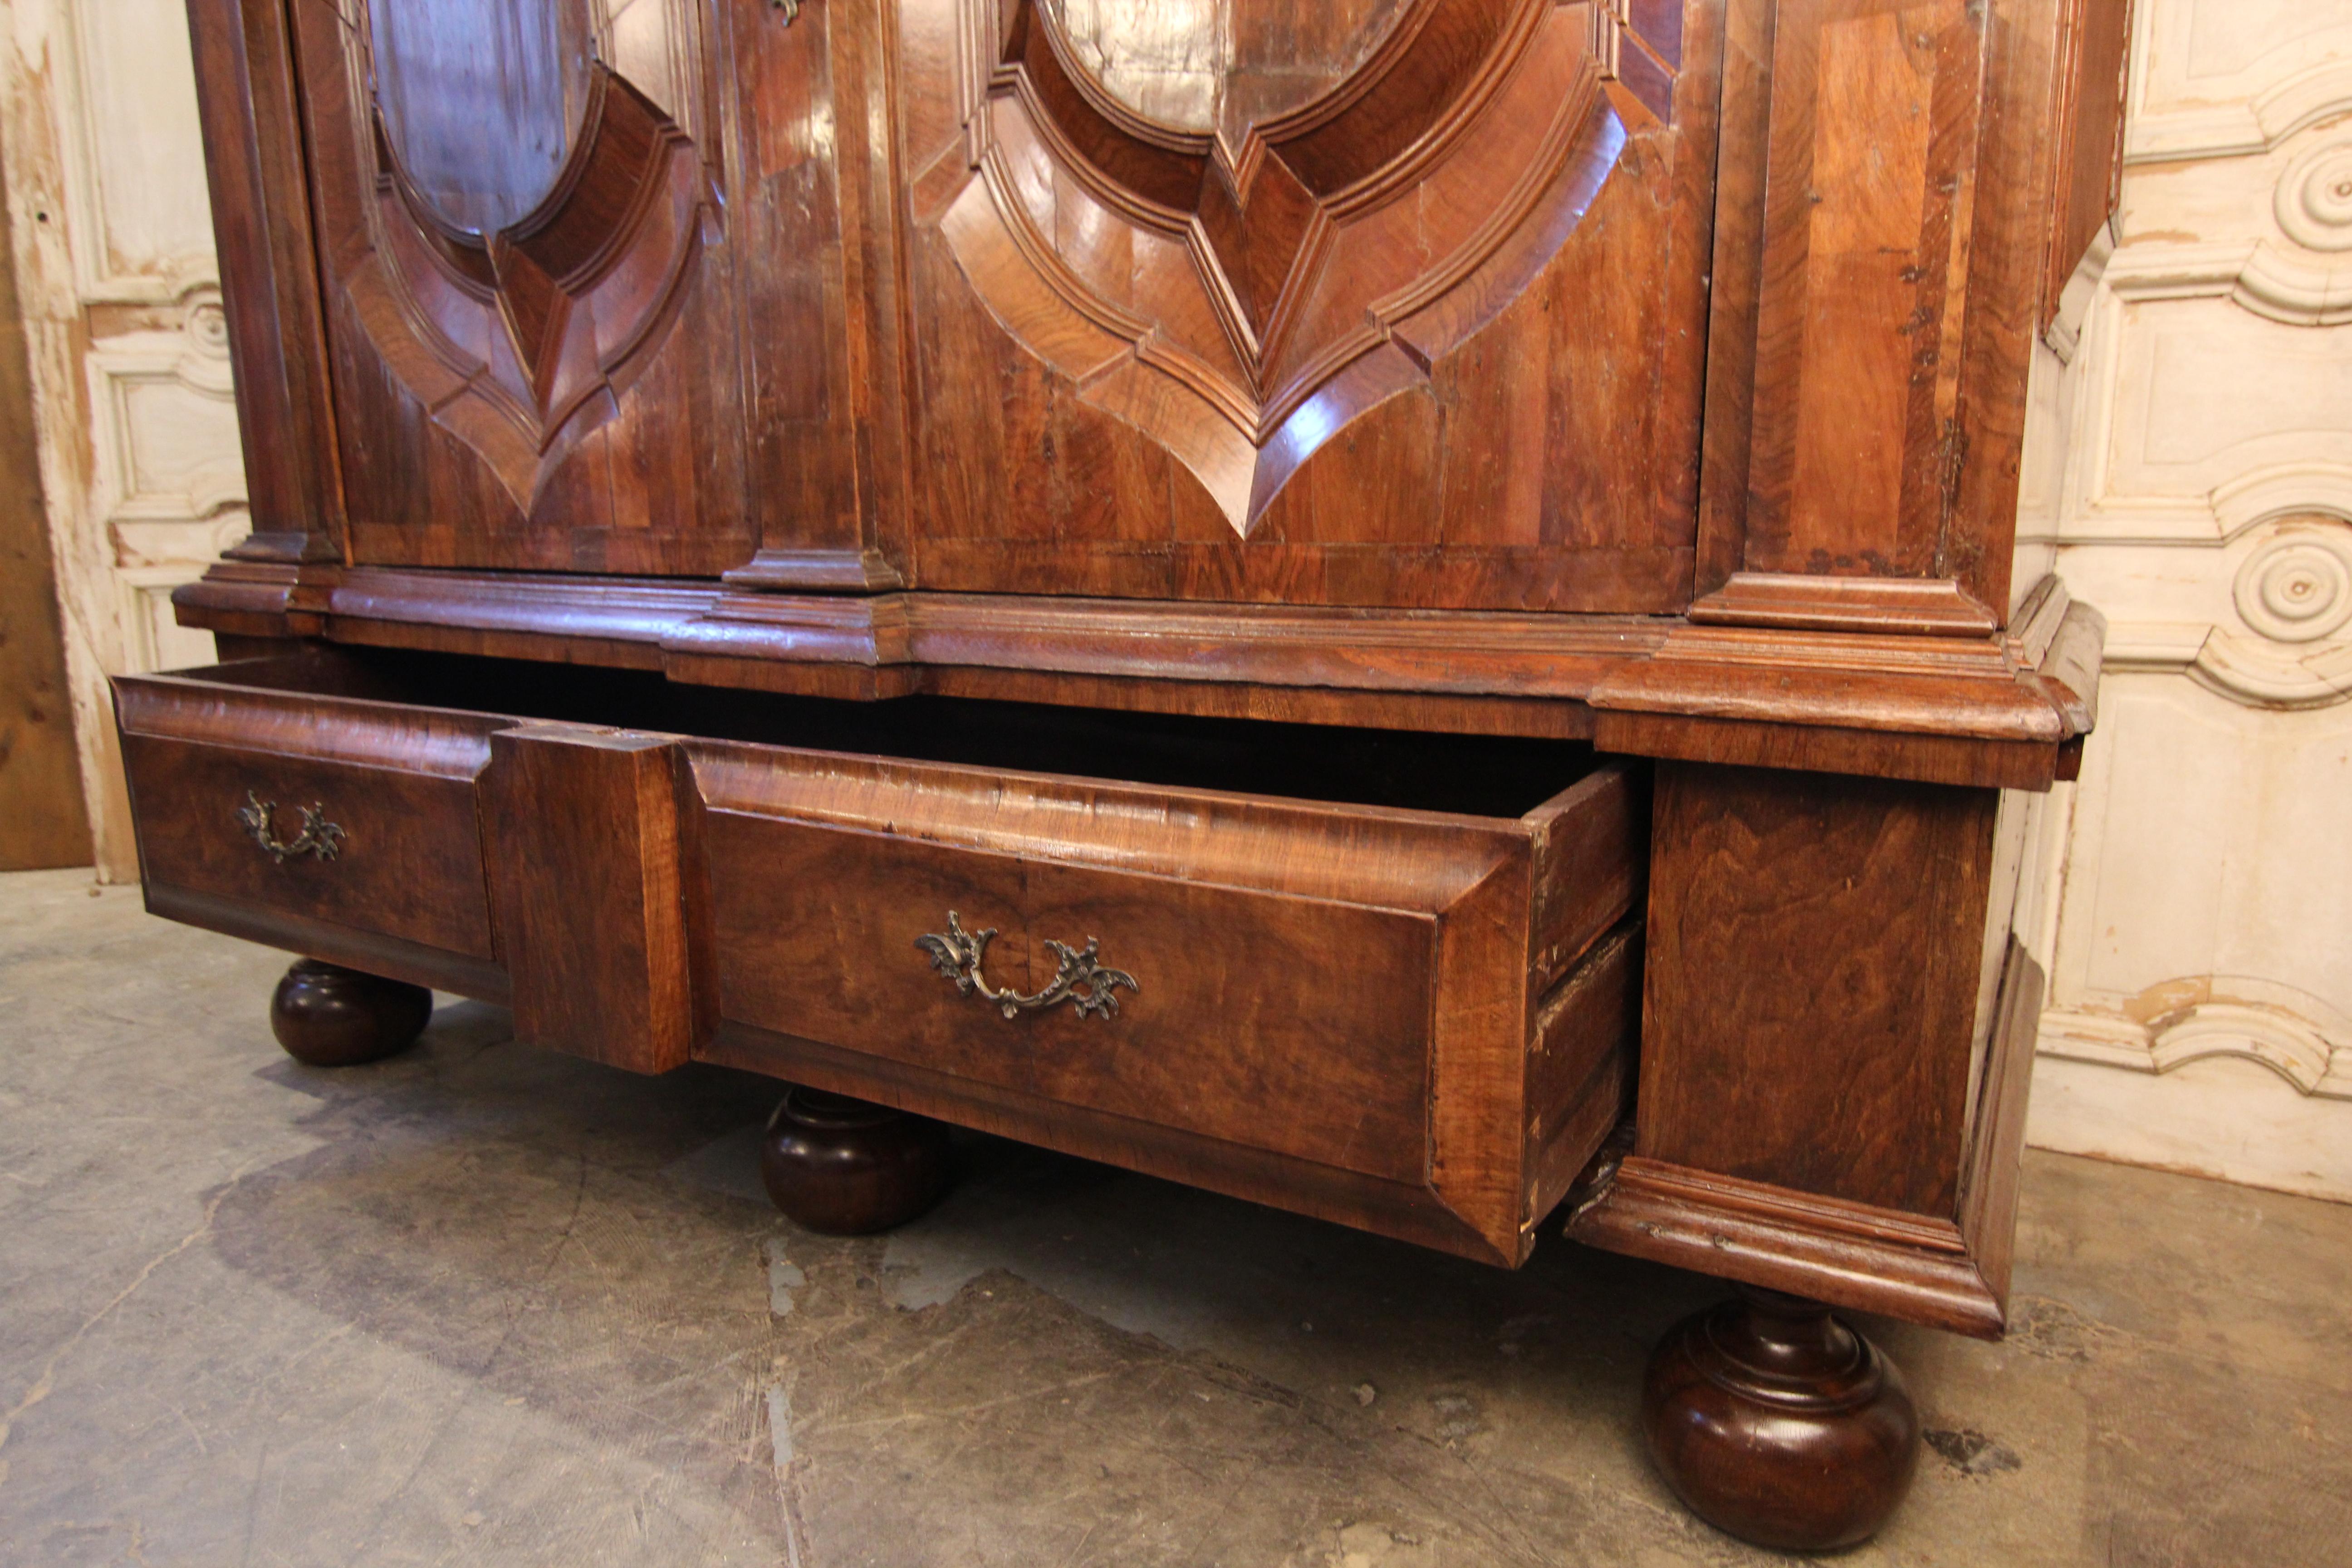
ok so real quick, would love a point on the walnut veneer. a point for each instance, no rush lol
(1402, 607)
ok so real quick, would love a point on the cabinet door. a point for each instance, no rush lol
(1387, 303)
(533, 325)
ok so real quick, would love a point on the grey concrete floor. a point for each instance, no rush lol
(484, 1304)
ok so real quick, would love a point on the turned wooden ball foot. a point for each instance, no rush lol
(1778, 1423)
(330, 1016)
(843, 1167)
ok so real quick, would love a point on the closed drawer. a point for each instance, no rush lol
(270, 812)
(1386, 979)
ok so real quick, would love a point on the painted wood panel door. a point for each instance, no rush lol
(134, 403)
(2189, 469)
(1388, 302)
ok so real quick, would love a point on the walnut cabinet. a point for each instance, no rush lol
(1399, 607)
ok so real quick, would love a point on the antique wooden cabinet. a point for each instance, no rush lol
(1399, 607)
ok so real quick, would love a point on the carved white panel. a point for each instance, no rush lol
(164, 423)
(2218, 77)
(141, 468)
(137, 206)
(159, 641)
(2189, 471)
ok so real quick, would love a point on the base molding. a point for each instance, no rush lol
(1846, 1253)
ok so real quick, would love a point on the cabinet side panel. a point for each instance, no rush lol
(1811, 991)
(254, 156)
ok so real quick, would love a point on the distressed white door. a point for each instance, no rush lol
(2191, 473)
(129, 355)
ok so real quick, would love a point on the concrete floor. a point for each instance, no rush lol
(483, 1304)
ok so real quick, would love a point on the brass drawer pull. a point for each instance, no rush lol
(319, 837)
(1081, 982)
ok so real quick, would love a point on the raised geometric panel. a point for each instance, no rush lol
(1242, 281)
(2228, 942)
(531, 248)
(2205, 393)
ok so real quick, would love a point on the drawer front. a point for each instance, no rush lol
(1293, 1025)
(359, 815)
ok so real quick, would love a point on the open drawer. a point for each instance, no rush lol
(1387, 979)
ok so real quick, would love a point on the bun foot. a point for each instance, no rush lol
(1778, 1423)
(330, 1016)
(841, 1167)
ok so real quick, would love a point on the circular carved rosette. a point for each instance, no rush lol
(2297, 587)
(329, 1016)
(843, 1167)
(2315, 197)
(1778, 1423)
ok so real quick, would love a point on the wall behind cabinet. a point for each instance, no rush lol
(2191, 473)
(128, 347)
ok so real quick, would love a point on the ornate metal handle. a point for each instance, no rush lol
(1081, 982)
(319, 837)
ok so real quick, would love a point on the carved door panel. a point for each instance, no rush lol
(1378, 302)
(534, 327)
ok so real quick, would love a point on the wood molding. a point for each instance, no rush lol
(1988, 1213)
(1945, 710)
(244, 596)
(817, 571)
(1922, 606)
(1846, 1253)
(1951, 1275)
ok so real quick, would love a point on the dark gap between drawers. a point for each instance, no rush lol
(1477, 775)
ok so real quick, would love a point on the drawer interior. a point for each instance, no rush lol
(1476, 776)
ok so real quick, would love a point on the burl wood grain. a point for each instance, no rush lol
(400, 785)
(1813, 980)
(1896, 181)
(596, 865)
